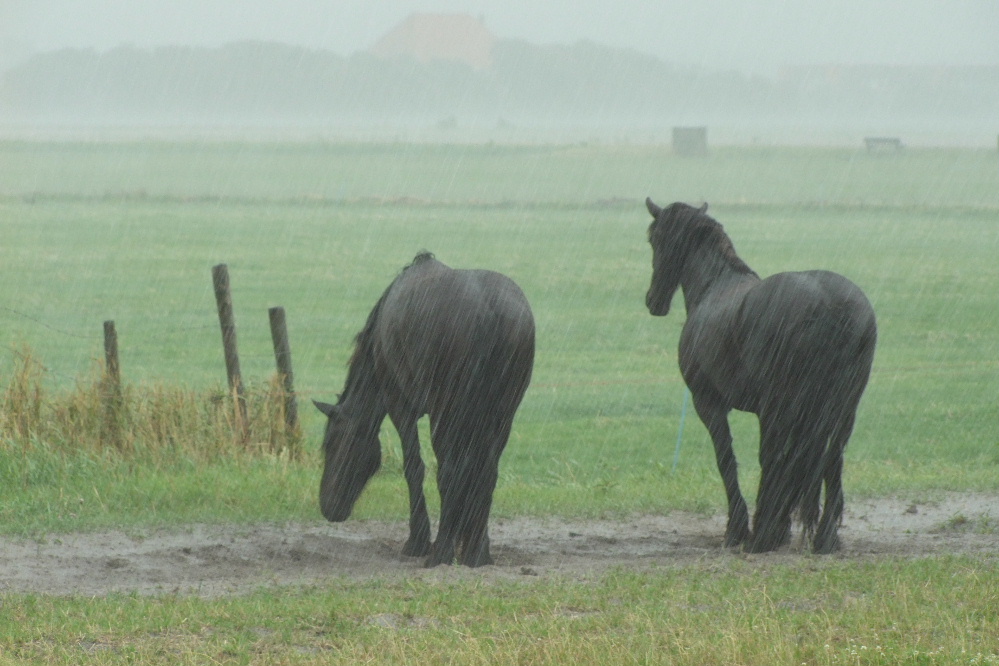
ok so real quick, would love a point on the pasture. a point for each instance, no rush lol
(129, 231)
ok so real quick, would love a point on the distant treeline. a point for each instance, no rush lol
(582, 83)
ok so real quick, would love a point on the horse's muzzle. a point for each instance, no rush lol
(335, 512)
(336, 506)
(657, 307)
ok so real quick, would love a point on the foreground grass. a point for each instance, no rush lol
(743, 611)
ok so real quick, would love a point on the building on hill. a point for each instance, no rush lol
(428, 37)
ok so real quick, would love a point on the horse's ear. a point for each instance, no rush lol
(654, 210)
(703, 208)
(326, 408)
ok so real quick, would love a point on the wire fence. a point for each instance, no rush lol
(111, 370)
(147, 331)
(152, 329)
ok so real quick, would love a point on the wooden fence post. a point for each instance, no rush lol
(282, 355)
(223, 298)
(111, 366)
(111, 388)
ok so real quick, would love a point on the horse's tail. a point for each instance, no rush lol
(810, 462)
(833, 398)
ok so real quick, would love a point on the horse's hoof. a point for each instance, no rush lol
(437, 557)
(434, 561)
(766, 543)
(735, 539)
(737, 530)
(480, 561)
(757, 547)
(416, 548)
(826, 546)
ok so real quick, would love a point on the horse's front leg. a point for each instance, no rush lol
(414, 470)
(715, 419)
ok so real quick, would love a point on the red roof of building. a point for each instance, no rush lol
(429, 37)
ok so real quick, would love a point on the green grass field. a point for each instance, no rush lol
(130, 231)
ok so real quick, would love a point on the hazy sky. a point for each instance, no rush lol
(732, 34)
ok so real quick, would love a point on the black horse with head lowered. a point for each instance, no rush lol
(457, 345)
(795, 349)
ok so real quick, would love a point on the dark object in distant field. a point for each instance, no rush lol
(795, 349)
(457, 345)
(690, 141)
(883, 144)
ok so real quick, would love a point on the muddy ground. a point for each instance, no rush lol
(213, 560)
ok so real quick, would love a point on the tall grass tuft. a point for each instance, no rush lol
(21, 410)
(155, 423)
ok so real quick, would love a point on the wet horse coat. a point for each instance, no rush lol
(457, 345)
(795, 349)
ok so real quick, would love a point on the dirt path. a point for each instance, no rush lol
(219, 560)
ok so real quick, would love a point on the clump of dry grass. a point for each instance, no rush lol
(20, 411)
(98, 415)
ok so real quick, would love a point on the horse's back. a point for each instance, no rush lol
(810, 327)
(826, 302)
(484, 305)
(444, 331)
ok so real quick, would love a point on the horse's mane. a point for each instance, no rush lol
(364, 340)
(710, 232)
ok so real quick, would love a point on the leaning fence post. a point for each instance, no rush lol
(111, 387)
(282, 355)
(227, 321)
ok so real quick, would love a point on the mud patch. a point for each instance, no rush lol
(214, 560)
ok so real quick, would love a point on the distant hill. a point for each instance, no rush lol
(433, 67)
(258, 81)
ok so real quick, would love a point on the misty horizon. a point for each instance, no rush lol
(765, 79)
(757, 40)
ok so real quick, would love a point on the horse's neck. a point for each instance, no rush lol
(361, 396)
(706, 271)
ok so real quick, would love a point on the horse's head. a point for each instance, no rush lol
(353, 455)
(670, 239)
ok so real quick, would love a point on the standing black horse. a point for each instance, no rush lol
(457, 345)
(795, 349)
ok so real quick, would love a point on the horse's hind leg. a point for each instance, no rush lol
(474, 535)
(466, 498)
(443, 549)
(442, 435)
(483, 473)
(467, 471)
(772, 517)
